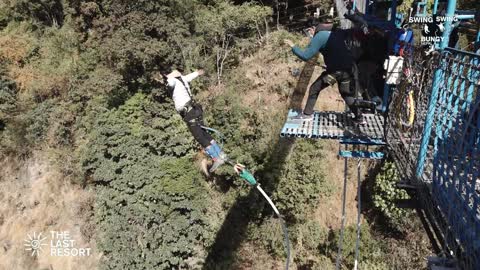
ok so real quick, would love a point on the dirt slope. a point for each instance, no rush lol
(35, 198)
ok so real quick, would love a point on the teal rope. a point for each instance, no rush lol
(218, 133)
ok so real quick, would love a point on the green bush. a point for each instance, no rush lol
(240, 126)
(222, 23)
(380, 265)
(311, 235)
(307, 240)
(8, 96)
(9, 140)
(28, 129)
(270, 235)
(385, 194)
(100, 82)
(371, 250)
(151, 128)
(152, 216)
(150, 196)
(38, 122)
(302, 183)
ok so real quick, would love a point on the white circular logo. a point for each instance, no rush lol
(34, 243)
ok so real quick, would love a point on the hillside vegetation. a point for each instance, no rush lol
(77, 91)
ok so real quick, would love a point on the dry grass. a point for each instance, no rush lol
(24, 76)
(33, 83)
(35, 198)
(38, 77)
(260, 260)
(269, 76)
(329, 211)
(14, 47)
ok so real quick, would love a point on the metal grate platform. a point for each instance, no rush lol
(336, 125)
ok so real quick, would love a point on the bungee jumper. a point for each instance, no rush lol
(340, 49)
(192, 113)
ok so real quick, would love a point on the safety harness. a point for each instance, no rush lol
(189, 106)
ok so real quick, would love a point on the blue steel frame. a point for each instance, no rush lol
(449, 155)
(448, 159)
(434, 94)
(454, 153)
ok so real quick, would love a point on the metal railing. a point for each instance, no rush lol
(444, 163)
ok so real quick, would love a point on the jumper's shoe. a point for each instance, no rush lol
(219, 161)
(303, 117)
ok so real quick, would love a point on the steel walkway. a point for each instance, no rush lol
(336, 125)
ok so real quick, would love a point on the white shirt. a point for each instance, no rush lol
(181, 92)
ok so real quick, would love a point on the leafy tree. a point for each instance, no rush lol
(135, 37)
(405, 7)
(153, 216)
(223, 22)
(44, 12)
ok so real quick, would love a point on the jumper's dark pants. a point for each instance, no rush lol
(346, 87)
(193, 117)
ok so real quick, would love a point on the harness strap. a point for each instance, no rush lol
(189, 106)
(186, 88)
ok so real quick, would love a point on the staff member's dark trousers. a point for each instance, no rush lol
(193, 116)
(346, 88)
